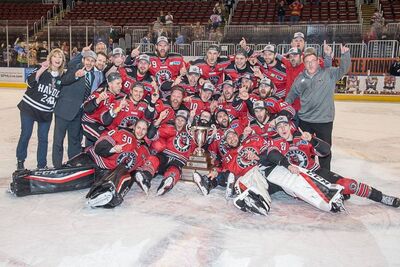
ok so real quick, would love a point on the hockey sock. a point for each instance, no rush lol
(174, 172)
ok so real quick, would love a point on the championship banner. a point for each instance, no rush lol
(375, 66)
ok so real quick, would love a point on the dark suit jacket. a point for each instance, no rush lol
(72, 93)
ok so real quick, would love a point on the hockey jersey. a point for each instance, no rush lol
(215, 74)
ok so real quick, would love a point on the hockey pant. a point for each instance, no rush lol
(118, 182)
(92, 130)
(252, 191)
(309, 187)
(77, 173)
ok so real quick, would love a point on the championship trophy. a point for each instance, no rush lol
(200, 160)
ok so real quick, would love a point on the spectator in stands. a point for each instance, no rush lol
(21, 49)
(146, 39)
(74, 52)
(217, 9)
(162, 17)
(169, 20)
(281, 12)
(295, 11)
(395, 67)
(180, 39)
(32, 58)
(157, 25)
(65, 49)
(315, 86)
(216, 20)
(229, 5)
(198, 31)
(43, 52)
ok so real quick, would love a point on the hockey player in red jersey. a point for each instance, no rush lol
(173, 144)
(173, 105)
(293, 148)
(230, 102)
(134, 109)
(123, 151)
(274, 69)
(263, 124)
(189, 81)
(213, 65)
(102, 107)
(239, 67)
(201, 101)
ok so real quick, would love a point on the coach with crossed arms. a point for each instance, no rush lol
(316, 87)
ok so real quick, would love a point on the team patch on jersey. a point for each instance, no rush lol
(182, 142)
(174, 63)
(242, 160)
(128, 121)
(297, 157)
(129, 158)
(234, 125)
(214, 79)
(163, 76)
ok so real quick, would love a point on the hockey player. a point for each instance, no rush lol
(263, 124)
(173, 105)
(213, 65)
(189, 81)
(134, 109)
(173, 144)
(239, 67)
(102, 107)
(37, 104)
(201, 101)
(274, 69)
(293, 149)
(123, 151)
(230, 102)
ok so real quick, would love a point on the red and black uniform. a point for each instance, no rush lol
(231, 72)
(135, 153)
(275, 106)
(165, 69)
(277, 74)
(215, 74)
(196, 103)
(129, 115)
(173, 148)
(236, 160)
(153, 110)
(236, 108)
(130, 76)
(263, 129)
(189, 90)
(217, 147)
(97, 117)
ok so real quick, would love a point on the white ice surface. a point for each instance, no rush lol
(183, 228)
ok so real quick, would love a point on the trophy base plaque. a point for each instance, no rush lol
(201, 164)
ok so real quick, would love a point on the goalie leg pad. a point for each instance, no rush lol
(253, 179)
(309, 187)
(117, 182)
(43, 181)
(251, 200)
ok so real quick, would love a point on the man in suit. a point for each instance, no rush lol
(77, 85)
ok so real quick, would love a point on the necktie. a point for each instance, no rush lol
(88, 86)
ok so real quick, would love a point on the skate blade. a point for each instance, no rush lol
(100, 200)
(197, 180)
(139, 179)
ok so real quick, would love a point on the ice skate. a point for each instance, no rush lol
(165, 186)
(203, 182)
(230, 186)
(143, 179)
(250, 201)
(390, 201)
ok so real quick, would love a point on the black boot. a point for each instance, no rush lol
(20, 165)
(378, 196)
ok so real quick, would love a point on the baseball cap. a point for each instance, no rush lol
(246, 76)
(266, 81)
(294, 51)
(259, 105)
(230, 130)
(89, 53)
(194, 70)
(208, 86)
(310, 51)
(214, 47)
(281, 119)
(270, 48)
(144, 57)
(113, 76)
(298, 35)
(182, 113)
(228, 82)
(162, 39)
(117, 51)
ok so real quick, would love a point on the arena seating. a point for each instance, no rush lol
(142, 12)
(391, 10)
(262, 12)
(18, 11)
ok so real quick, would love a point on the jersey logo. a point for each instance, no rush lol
(163, 76)
(172, 63)
(297, 157)
(182, 142)
(214, 79)
(242, 160)
(128, 158)
(128, 121)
